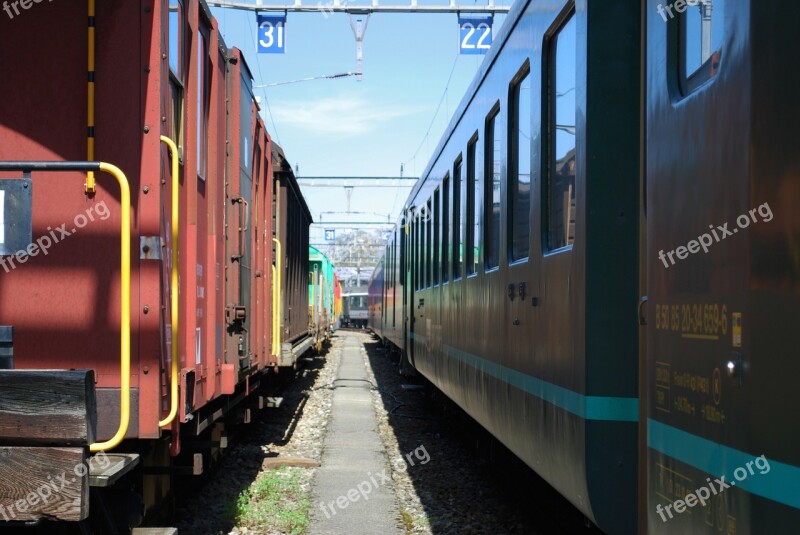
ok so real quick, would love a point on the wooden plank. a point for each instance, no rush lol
(40, 407)
(105, 469)
(39, 483)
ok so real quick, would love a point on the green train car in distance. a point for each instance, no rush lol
(321, 296)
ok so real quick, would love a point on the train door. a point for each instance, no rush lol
(403, 278)
(244, 226)
(239, 198)
(316, 296)
(198, 216)
(722, 190)
(257, 233)
(522, 279)
(174, 128)
(411, 286)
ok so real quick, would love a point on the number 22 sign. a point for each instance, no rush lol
(271, 33)
(474, 34)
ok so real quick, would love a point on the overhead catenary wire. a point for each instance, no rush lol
(261, 77)
(322, 77)
(436, 113)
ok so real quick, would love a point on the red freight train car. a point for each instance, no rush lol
(186, 302)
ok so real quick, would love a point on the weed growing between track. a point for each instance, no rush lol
(277, 501)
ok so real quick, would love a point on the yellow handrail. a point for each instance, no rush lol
(274, 312)
(173, 407)
(276, 299)
(125, 310)
(90, 180)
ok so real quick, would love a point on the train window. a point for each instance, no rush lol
(403, 241)
(472, 192)
(445, 228)
(246, 122)
(412, 255)
(423, 232)
(394, 278)
(203, 96)
(560, 209)
(519, 156)
(176, 39)
(458, 192)
(436, 230)
(491, 191)
(176, 102)
(418, 252)
(428, 246)
(701, 30)
(385, 265)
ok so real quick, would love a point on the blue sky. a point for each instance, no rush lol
(345, 127)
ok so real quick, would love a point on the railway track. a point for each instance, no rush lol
(441, 499)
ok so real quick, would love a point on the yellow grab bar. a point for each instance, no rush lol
(90, 180)
(276, 299)
(125, 311)
(274, 313)
(173, 404)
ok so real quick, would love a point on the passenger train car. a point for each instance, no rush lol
(356, 308)
(170, 291)
(601, 262)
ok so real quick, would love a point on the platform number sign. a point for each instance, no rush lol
(330, 234)
(271, 33)
(474, 34)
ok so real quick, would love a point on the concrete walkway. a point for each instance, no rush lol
(353, 492)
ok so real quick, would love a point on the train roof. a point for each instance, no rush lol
(320, 255)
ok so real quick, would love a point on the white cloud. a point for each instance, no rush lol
(337, 115)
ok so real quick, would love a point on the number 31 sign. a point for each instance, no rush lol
(271, 33)
(474, 34)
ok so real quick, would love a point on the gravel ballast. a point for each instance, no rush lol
(444, 484)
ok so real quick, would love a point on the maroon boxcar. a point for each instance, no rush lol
(159, 70)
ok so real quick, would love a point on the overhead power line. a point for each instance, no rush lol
(436, 113)
(323, 77)
(337, 6)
